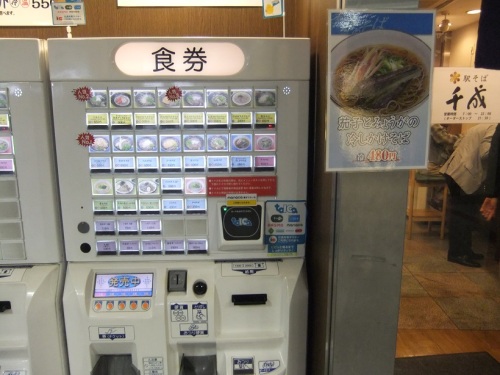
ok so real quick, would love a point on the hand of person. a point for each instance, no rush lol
(488, 208)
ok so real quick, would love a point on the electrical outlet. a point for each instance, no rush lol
(177, 280)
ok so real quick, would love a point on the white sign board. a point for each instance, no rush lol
(25, 13)
(465, 95)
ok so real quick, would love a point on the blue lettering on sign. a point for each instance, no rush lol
(286, 208)
(294, 218)
(241, 222)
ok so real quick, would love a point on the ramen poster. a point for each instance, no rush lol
(379, 82)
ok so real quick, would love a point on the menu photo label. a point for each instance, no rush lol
(171, 163)
(265, 118)
(217, 118)
(148, 118)
(171, 206)
(121, 120)
(175, 246)
(4, 121)
(149, 205)
(100, 164)
(103, 206)
(6, 145)
(241, 117)
(7, 166)
(97, 120)
(218, 163)
(169, 119)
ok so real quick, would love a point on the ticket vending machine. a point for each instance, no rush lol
(182, 171)
(31, 253)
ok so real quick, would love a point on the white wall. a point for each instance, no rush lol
(463, 46)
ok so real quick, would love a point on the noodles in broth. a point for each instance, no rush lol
(380, 80)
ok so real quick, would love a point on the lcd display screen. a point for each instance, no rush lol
(111, 285)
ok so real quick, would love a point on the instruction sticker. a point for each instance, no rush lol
(285, 225)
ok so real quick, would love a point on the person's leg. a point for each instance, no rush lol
(461, 221)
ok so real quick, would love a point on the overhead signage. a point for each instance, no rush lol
(189, 3)
(179, 59)
(42, 13)
(378, 86)
(465, 95)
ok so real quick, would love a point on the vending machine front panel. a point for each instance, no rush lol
(172, 148)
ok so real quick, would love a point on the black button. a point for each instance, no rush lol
(200, 288)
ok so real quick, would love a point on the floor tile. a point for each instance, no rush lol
(472, 312)
(450, 284)
(422, 313)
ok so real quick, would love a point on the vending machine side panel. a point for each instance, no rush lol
(31, 321)
(30, 226)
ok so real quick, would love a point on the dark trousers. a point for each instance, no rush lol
(463, 218)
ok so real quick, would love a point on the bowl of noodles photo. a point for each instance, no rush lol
(380, 73)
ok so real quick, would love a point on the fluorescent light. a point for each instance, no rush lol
(474, 11)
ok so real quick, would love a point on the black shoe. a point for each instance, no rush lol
(464, 260)
(475, 256)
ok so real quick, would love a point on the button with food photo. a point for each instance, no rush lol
(241, 142)
(102, 187)
(124, 186)
(217, 142)
(120, 99)
(144, 99)
(193, 98)
(265, 98)
(101, 144)
(170, 143)
(194, 142)
(148, 186)
(99, 99)
(147, 143)
(217, 98)
(241, 98)
(195, 185)
(123, 143)
(265, 142)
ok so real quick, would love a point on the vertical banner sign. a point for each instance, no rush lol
(465, 95)
(379, 82)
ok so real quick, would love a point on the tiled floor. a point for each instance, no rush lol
(437, 294)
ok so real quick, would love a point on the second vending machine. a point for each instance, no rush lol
(182, 170)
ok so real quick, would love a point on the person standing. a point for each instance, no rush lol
(471, 173)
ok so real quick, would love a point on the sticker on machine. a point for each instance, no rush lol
(265, 367)
(285, 225)
(111, 333)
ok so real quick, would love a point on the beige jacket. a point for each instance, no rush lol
(467, 164)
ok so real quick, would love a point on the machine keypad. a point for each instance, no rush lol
(121, 305)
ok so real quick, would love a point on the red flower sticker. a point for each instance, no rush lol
(173, 93)
(83, 93)
(85, 139)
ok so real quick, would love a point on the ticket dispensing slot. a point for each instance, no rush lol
(198, 365)
(115, 364)
(249, 299)
(4, 306)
